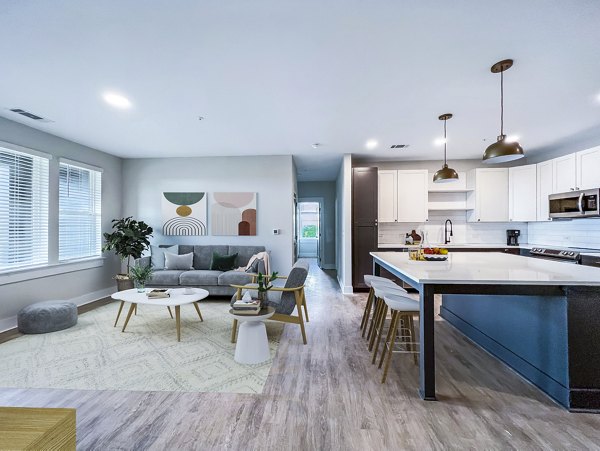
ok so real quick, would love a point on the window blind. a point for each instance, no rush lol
(23, 209)
(80, 200)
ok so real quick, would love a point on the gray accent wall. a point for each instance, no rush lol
(81, 285)
(326, 191)
(145, 180)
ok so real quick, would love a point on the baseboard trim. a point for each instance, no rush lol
(7, 324)
(328, 266)
(346, 289)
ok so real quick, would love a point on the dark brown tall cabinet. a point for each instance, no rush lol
(364, 224)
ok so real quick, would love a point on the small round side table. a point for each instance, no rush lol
(252, 344)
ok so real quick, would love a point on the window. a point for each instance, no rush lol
(23, 209)
(79, 225)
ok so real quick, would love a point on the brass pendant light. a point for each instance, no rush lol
(502, 151)
(445, 174)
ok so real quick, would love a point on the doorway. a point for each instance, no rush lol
(309, 229)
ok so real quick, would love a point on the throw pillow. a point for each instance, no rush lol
(174, 261)
(157, 255)
(223, 262)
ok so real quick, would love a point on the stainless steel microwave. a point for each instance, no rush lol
(575, 204)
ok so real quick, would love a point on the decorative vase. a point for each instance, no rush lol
(141, 286)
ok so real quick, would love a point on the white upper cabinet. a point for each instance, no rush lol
(545, 187)
(565, 173)
(388, 196)
(412, 195)
(522, 193)
(588, 168)
(489, 200)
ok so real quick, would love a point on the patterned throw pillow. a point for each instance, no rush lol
(223, 262)
(174, 261)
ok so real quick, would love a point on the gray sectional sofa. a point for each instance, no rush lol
(215, 282)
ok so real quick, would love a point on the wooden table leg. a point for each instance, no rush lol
(198, 310)
(426, 339)
(178, 321)
(119, 313)
(131, 309)
(170, 312)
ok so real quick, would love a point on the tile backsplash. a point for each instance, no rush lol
(464, 232)
(576, 233)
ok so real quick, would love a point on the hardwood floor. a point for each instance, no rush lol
(327, 395)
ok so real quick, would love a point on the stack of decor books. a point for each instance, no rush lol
(246, 305)
(158, 293)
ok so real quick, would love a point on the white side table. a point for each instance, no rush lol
(252, 343)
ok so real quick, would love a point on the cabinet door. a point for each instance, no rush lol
(522, 193)
(545, 187)
(565, 173)
(412, 196)
(588, 168)
(388, 196)
(491, 189)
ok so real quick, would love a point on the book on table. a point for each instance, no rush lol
(158, 293)
(246, 305)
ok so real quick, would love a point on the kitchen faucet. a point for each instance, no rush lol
(446, 237)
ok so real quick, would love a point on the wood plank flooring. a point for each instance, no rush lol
(327, 395)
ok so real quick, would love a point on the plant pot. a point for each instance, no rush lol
(124, 284)
(140, 286)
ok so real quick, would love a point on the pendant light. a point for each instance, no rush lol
(502, 151)
(445, 174)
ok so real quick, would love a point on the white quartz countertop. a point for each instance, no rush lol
(490, 268)
(451, 245)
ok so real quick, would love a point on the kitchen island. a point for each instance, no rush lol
(540, 317)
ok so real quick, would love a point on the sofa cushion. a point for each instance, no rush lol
(203, 255)
(223, 262)
(234, 278)
(174, 261)
(200, 277)
(157, 258)
(165, 277)
(244, 253)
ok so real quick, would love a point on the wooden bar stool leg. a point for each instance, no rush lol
(392, 335)
(375, 323)
(380, 333)
(377, 303)
(413, 338)
(366, 313)
(387, 338)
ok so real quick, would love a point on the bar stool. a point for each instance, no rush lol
(403, 309)
(378, 322)
(369, 306)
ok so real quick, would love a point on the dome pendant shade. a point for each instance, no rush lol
(502, 151)
(445, 174)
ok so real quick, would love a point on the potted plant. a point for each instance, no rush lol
(129, 239)
(140, 275)
(264, 284)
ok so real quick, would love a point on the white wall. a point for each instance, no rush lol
(343, 203)
(83, 285)
(272, 177)
(576, 233)
(326, 191)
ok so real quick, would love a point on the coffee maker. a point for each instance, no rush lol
(512, 237)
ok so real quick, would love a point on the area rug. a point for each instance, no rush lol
(94, 355)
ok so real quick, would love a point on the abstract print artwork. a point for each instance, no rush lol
(233, 214)
(184, 214)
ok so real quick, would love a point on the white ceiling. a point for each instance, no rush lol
(275, 76)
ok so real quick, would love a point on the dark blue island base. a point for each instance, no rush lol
(553, 341)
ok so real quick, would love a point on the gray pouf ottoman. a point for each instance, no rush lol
(47, 316)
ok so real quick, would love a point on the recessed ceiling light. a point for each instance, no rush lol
(116, 100)
(512, 138)
(371, 144)
(315, 145)
(439, 141)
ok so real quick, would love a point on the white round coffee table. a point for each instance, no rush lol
(177, 298)
(252, 343)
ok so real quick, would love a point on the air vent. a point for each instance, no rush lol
(399, 146)
(35, 117)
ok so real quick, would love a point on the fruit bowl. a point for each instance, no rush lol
(435, 258)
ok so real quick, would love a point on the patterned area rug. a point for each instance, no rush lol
(94, 355)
